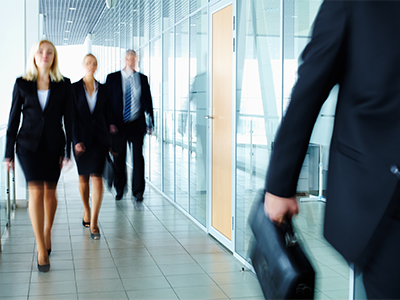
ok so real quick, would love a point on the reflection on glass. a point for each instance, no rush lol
(168, 14)
(168, 118)
(153, 165)
(258, 85)
(181, 114)
(197, 127)
(3, 185)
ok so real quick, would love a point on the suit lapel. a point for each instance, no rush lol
(35, 95)
(49, 97)
(82, 99)
(98, 98)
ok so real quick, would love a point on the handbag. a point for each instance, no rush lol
(283, 270)
(109, 171)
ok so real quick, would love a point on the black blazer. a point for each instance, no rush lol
(38, 124)
(87, 126)
(114, 87)
(354, 44)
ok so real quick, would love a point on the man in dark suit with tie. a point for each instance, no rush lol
(130, 99)
(356, 45)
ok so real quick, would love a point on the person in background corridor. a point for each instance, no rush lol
(91, 140)
(43, 97)
(130, 99)
(354, 44)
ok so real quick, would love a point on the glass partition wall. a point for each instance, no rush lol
(172, 39)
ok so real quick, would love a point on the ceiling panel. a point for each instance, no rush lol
(68, 22)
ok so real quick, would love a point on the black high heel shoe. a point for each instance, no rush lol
(43, 268)
(85, 224)
(95, 235)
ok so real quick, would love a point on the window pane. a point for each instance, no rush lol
(258, 93)
(197, 124)
(181, 113)
(168, 118)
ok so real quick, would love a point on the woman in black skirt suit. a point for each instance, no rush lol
(91, 140)
(43, 96)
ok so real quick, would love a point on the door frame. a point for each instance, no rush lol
(214, 7)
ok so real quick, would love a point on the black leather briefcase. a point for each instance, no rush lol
(109, 171)
(282, 268)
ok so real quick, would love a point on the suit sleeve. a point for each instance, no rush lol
(13, 121)
(323, 61)
(106, 111)
(76, 124)
(68, 117)
(110, 115)
(149, 101)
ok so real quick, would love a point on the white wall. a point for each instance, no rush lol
(19, 23)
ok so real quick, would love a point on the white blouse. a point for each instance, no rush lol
(92, 99)
(43, 95)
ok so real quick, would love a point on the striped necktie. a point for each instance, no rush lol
(128, 100)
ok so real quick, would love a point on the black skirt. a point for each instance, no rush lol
(91, 161)
(41, 165)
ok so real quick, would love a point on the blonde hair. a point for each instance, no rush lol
(31, 73)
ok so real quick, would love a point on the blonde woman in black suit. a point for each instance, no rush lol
(43, 96)
(91, 140)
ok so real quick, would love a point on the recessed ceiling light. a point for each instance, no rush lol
(69, 22)
(72, 8)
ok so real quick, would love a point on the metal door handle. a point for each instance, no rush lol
(208, 117)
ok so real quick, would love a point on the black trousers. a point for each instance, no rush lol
(381, 273)
(131, 134)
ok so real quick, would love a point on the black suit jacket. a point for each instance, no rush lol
(38, 124)
(114, 87)
(87, 126)
(354, 44)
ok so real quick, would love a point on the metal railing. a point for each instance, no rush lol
(7, 185)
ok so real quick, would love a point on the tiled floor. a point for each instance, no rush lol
(157, 253)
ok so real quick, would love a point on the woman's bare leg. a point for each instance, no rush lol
(84, 190)
(97, 198)
(50, 207)
(36, 213)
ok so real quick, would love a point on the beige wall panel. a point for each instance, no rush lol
(222, 121)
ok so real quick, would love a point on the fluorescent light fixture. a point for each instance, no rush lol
(72, 8)
(70, 22)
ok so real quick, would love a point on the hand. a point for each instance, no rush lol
(149, 130)
(79, 148)
(278, 207)
(112, 152)
(9, 164)
(65, 164)
(113, 129)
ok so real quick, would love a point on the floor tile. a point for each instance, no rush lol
(53, 276)
(14, 289)
(55, 297)
(190, 280)
(213, 292)
(55, 288)
(103, 285)
(103, 296)
(145, 283)
(181, 269)
(96, 274)
(242, 290)
(154, 294)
